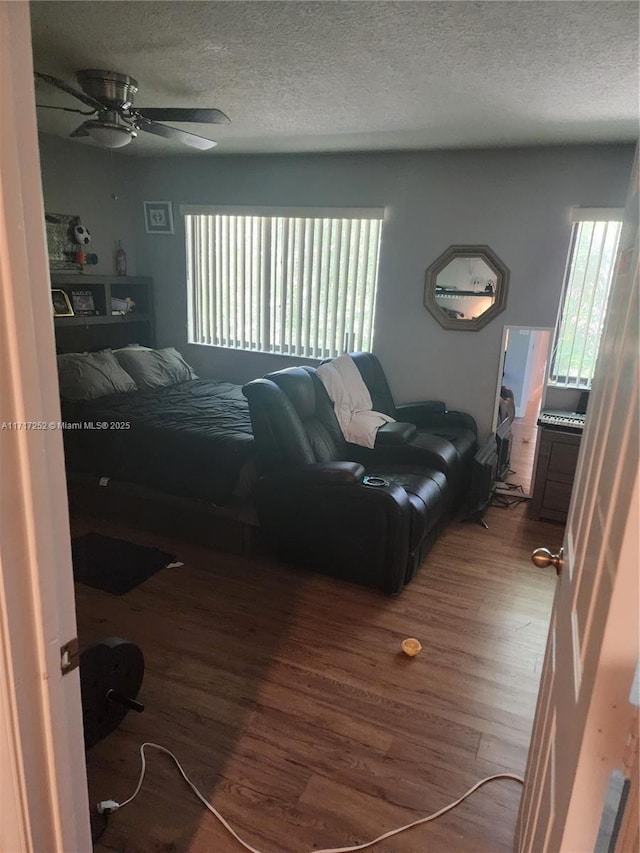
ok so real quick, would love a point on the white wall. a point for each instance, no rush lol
(81, 180)
(515, 366)
(539, 350)
(524, 365)
(517, 201)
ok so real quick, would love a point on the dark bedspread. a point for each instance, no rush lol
(190, 439)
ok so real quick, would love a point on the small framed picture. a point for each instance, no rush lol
(158, 217)
(83, 303)
(61, 304)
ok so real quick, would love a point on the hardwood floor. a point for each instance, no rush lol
(523, 451)
(523, 448)
(287, 699)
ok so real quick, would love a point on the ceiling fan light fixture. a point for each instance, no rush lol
(110, 96)
(109, 135)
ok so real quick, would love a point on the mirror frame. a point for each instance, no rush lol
(502, 287)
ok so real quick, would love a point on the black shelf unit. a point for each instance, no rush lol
(103, 329)
(102, 319)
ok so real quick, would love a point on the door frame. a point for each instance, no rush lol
(43, 780)
(503, 355)
(43, 784)
(585, 710)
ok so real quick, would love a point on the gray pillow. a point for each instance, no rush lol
(154, 368)
(89, 375)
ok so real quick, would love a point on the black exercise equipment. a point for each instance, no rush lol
(111, 673)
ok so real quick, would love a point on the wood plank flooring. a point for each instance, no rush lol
(523, 448)
(523, 451)
(286, 698)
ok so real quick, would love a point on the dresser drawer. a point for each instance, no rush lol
(563, 459)
(557, 459)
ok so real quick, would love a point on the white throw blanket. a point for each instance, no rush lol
(351, 401)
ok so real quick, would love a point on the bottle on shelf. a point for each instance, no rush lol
(121, 259)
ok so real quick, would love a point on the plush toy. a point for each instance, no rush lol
(81, 235)
(77, 233)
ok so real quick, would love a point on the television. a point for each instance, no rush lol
(483, 479)
(504, 440)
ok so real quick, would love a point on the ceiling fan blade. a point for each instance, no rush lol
(204, 116)
(167, 132)
(66, 109)
(81, 96)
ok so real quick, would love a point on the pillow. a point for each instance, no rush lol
(154, 368)
(89, 375)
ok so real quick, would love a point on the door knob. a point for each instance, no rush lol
(543, 558)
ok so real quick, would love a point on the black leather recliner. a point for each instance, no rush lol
(313, 502)
(445, 440)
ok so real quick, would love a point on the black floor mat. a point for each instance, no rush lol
(114, 565)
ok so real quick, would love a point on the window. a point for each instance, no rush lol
(589, 273)
(289, 281)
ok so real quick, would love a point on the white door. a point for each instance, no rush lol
(43, 786)
(583, 717)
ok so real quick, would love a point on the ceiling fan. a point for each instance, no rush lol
(116, 121)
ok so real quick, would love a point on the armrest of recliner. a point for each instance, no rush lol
(317, 473)
(419, 411)
(394, 434)
(434, 413)
(340, 526)
(463, 419)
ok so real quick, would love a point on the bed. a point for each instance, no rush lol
(191, 439)
(149, 443)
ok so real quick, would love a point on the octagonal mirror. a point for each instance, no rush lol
(466, 287)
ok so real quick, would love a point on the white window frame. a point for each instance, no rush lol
(578, 217)
(273, 264)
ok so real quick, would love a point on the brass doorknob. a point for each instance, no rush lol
(543, 558)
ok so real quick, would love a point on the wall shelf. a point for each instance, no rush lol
(103, 329)
(101, 319)
(458, 293)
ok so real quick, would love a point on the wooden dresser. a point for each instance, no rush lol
(556, 461)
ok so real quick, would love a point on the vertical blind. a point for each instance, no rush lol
(584, 306)
(303, 285)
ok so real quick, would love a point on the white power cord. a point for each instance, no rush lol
(106, 807)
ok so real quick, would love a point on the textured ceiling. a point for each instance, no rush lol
(340, 76)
